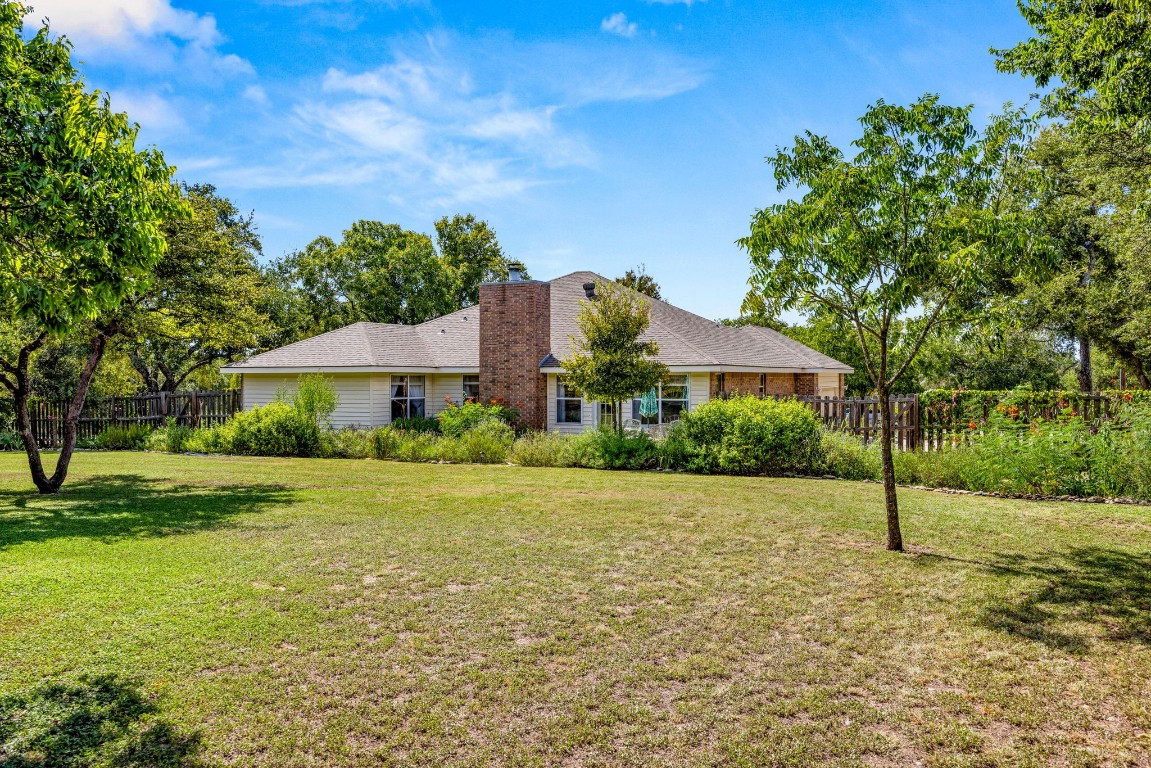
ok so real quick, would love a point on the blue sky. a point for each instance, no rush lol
(590, 135)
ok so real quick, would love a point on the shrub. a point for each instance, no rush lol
(172, 437)
(10, 441)
(542, 449)
(486, 443)
(276, 429)
(417, 446)
(210, 440)
(844, 455)
(383, 442)
(350, 443)
(455, 420)
(607, 448)
(127, 437)
(417, 424)
(315, 398)
(745, 435)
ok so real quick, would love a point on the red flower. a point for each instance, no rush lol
(972, 425)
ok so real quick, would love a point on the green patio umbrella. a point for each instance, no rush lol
(648, 404)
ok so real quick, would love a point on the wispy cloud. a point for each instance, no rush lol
(617, 24)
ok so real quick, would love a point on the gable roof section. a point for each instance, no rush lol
(452, 342)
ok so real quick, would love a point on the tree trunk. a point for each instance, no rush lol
(894, 535)
(43, 483)
(1133, 365)
(1086, 380)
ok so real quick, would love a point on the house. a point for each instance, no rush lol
(512, 346)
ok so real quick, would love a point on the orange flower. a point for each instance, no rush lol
(972, 425)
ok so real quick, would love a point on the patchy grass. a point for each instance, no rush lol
(174, 610)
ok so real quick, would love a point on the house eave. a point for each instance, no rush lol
(299, 369)
(726, 369)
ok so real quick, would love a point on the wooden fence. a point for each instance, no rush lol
(861, 416)
(939, 431)
(193, 409)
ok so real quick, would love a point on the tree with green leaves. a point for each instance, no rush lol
(1097, 53)
(383, 273)
(609, 360)
(639, 280)
(80, 218)
(912, 229)
(204, 304)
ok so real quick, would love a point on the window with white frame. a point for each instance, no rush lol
(407, 397)
(472, 387)
(569, 403)
(664, 404)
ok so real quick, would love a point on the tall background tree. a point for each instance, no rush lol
(385, 274)
(639, 280)
(206, 303)
(912, 229)
(80, 216)
(610, 362)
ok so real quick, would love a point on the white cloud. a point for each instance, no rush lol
(151, 33)
(617, 24)
(256, 94)
(153, 112)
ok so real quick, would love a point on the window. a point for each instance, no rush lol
(670, 400)
(569, 403)
(762, 384)
(407, 397)
(472, 387)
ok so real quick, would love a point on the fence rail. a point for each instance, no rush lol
(193, 409)
(861, 416)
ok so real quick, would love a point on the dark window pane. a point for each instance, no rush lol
(672, 410)
(570, 411)
(416, 407)
(399, 409)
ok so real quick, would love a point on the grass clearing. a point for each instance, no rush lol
(289, 612)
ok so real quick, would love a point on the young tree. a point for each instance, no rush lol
(204, 304)
(609, 361)
(914, 227)
(80, 213)
(639, 280)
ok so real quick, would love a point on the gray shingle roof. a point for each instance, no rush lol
(452, 341)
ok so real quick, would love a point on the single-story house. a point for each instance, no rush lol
(512, 346)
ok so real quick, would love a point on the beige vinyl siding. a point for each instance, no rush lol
(698, 389)
(827, 385)
(354, 390)
(443, 385)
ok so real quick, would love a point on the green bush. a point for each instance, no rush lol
(844, 455)
(315, 398)
(118, 437)
(455, 420)
(542, 449)
(486, 443)
(347, 443)
(417, 424)
(10, 441)
(746, 435)
(173, 437)
(276, 429)
(608, 449)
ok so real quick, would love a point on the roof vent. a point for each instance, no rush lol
(515, 274)
(589, 291)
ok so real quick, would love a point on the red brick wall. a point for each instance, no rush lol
(806, 384)
(748, 383)
(515, 335)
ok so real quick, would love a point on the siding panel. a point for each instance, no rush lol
(354, 409)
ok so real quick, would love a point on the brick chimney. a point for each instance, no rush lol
(515, 336)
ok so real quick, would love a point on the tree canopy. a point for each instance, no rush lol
(639, 280)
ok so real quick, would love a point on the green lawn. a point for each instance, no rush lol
(272, 612)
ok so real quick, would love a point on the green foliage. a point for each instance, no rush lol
(640, 281)
(122, 437)
(608, 361)
(960, 409)
(1098, 54)
(383, 273)
(173, 437)
(347, 443)
(207, 299)
(417, 424)
(613, 449)
(276, 429)
(10, 441)
(487, 442)
(987, 357)
(846, 456)
(315, 397)
(542, 449)
(82, 208)
(746, 435)
(456, 419)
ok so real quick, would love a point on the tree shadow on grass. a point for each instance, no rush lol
(112, 507)
(1072, 598)
(104, 720)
